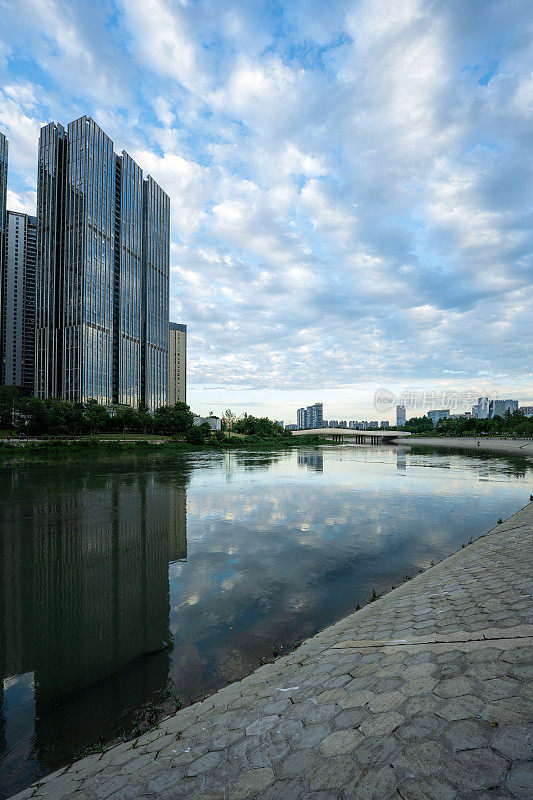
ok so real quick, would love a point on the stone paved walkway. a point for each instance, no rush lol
(425, 694)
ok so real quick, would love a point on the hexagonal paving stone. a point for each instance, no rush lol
(476, 769)
(373, 784)
(467, 734)
(454, 687)
(350, 718)
(418, 686)
(387, 701)
(376, 750)
(460, 707)
(340, 742)
(429, 788)
(329, 773)
(420, 758)
(498, 688)
(515, 741)
(421, 726)
(520, 781)
(510, 709)
(382, 723)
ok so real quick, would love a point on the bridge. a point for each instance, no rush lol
(382, 436)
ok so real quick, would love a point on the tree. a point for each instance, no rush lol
(228, 420)
(198, 433)
(9, 396)
(97, 416)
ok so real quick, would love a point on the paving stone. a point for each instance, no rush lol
(510, 709)
(515, 742)
(354, 699)
(460, 707)
(376, 750)
(372, 784)
(382, 723)
(310, 735)
(298, 763)
(476, 769)
(203, 764)
(292, 789)
(329, 773)
(418, 686)
(421, 704)
(340, 742)
(498, 688)
(520, 781)
(429, 788)
(420, 758)
(250, 783)
(467, 734)
(421, 726)
(350, 718)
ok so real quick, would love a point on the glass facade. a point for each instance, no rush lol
(4, 148)
(155, 294)
(49, 273)
(17, 329)
(128, 281)
(103, 272)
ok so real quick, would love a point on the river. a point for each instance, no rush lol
(133, 582)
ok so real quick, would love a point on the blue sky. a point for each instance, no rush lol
(350, 182)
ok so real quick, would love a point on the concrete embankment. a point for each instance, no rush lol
(426, 693)
(517, 446)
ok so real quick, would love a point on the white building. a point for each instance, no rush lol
(215, 423)
(499, 407)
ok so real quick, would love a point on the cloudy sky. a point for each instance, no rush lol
(350, 182)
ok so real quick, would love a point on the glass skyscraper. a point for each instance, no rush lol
(102, 272)
(4, 147)
(17, 288)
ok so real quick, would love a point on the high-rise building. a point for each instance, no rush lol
(301, 418)
(481, 409)
(17, 320)
(499, 407)
(4, 148)
(102, 277)
(177, 363)
(438, 413)
(400, 415)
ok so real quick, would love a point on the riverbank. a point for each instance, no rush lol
(503, 445)
(14, 449)
(421, 694)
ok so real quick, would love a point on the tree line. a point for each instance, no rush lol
(513, 423)
(55, 417)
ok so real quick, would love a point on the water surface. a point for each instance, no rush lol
(125, 579)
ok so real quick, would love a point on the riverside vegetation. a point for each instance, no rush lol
(59, 424)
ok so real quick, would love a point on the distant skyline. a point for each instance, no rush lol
(350, 183)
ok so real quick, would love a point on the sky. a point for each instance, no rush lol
(350, 182)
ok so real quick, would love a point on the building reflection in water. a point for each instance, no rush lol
(312, 460)
(84, 599)
(401, 459)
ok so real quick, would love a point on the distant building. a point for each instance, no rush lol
(325, 423)
(310, 417)
(343, 423)
(527, 411)
(333, 423)
(301, 418)
(17, 290)
(215, 423)
(481, 409)
(499, 407)
(438, 413)
(400, 415)
(291, 427)
(373, 424)
(384, 423)
(279, 422)
(177, 363)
